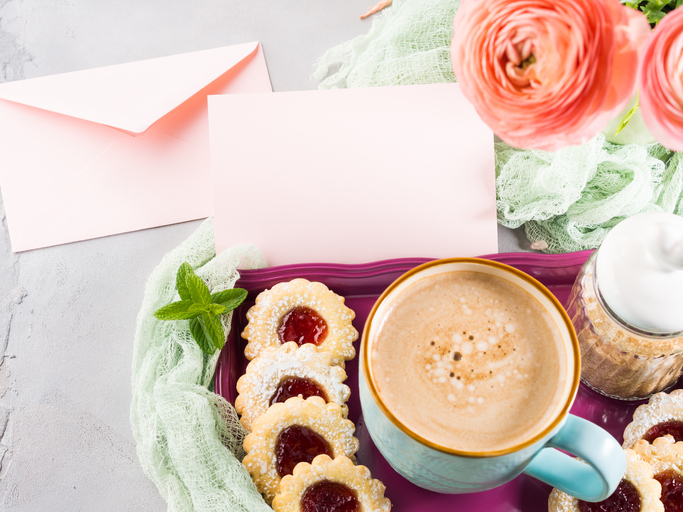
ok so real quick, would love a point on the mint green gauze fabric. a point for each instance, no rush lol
(568, 198)
(189, 440)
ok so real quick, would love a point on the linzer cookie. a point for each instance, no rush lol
(280, 373)
(329, 485)
(662, 415)
(303, 312)
(665, 457)
(638, 491)
(292, 432)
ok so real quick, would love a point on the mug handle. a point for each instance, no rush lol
(594, 481)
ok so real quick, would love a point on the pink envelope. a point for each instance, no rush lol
(115, 149)
(353, 175)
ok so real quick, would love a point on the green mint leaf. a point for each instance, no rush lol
(198, 333)
(199, 292)
(215, 309)
(181, 310)
(199, 308)
(212, 326)
(678, 4)
(229, 298)
(180, 285)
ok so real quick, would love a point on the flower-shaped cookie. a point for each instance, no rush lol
(303, 312)
(292, 432)
(637, 491)
(665, 457)
(662, 415)
(329, 485)
(282, 372)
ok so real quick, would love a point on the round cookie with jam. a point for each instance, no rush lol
(292, 432)
(662, 415)
(637, 492)
(303, 312)
(665, 457)
(331, 485)
(283, 372)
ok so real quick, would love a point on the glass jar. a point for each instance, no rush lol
(619, 359)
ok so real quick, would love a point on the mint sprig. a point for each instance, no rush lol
(201, 308)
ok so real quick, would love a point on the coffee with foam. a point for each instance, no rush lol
(469, 361)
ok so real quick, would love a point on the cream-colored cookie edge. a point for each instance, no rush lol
(275, 364)
(664, 453)
(370, 492)
(271, 305)
(660, 408)
(324, 418)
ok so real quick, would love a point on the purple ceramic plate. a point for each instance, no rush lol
(361, 285)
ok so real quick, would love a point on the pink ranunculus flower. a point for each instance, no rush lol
(546, 74)
(661, 81)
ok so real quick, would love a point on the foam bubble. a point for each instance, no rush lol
(467, 347)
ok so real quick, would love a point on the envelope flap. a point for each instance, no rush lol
(130, 96)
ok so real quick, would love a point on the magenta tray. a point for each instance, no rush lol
(361, 285)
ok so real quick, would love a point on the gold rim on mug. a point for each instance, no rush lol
(501, 266)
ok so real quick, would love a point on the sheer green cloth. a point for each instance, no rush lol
(568, 198)
(189, 440)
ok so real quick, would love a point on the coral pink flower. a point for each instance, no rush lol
(661, 81)
(546, 74)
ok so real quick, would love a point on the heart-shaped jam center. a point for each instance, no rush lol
(625, 499)
(295, 386)
(329, 496)
(298, 444)
(672, 490)
(302, 325)
(673, 428)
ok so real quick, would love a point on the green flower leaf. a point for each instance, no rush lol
(181, 310)
(629, 115)
(230, 299)
(184, 270)
(198, 290)
(214, 329)
(198, 333)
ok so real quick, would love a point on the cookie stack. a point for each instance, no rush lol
(653, 445)
(301, 448)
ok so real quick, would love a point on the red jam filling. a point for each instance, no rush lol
(329, 496)
(673, 428)
(298, 444)
(303, 325)
(672, 490)
(295, 386)
(625, 499)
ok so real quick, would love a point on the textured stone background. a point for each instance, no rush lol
(67, 314)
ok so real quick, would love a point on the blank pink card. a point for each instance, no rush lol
(353, 175)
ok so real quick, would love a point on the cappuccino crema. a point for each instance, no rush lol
(469, 361)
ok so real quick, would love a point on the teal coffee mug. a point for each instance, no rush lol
(468, 370)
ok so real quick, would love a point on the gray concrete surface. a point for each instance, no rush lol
(67, 313)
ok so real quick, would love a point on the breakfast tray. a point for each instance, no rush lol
(361, 285)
